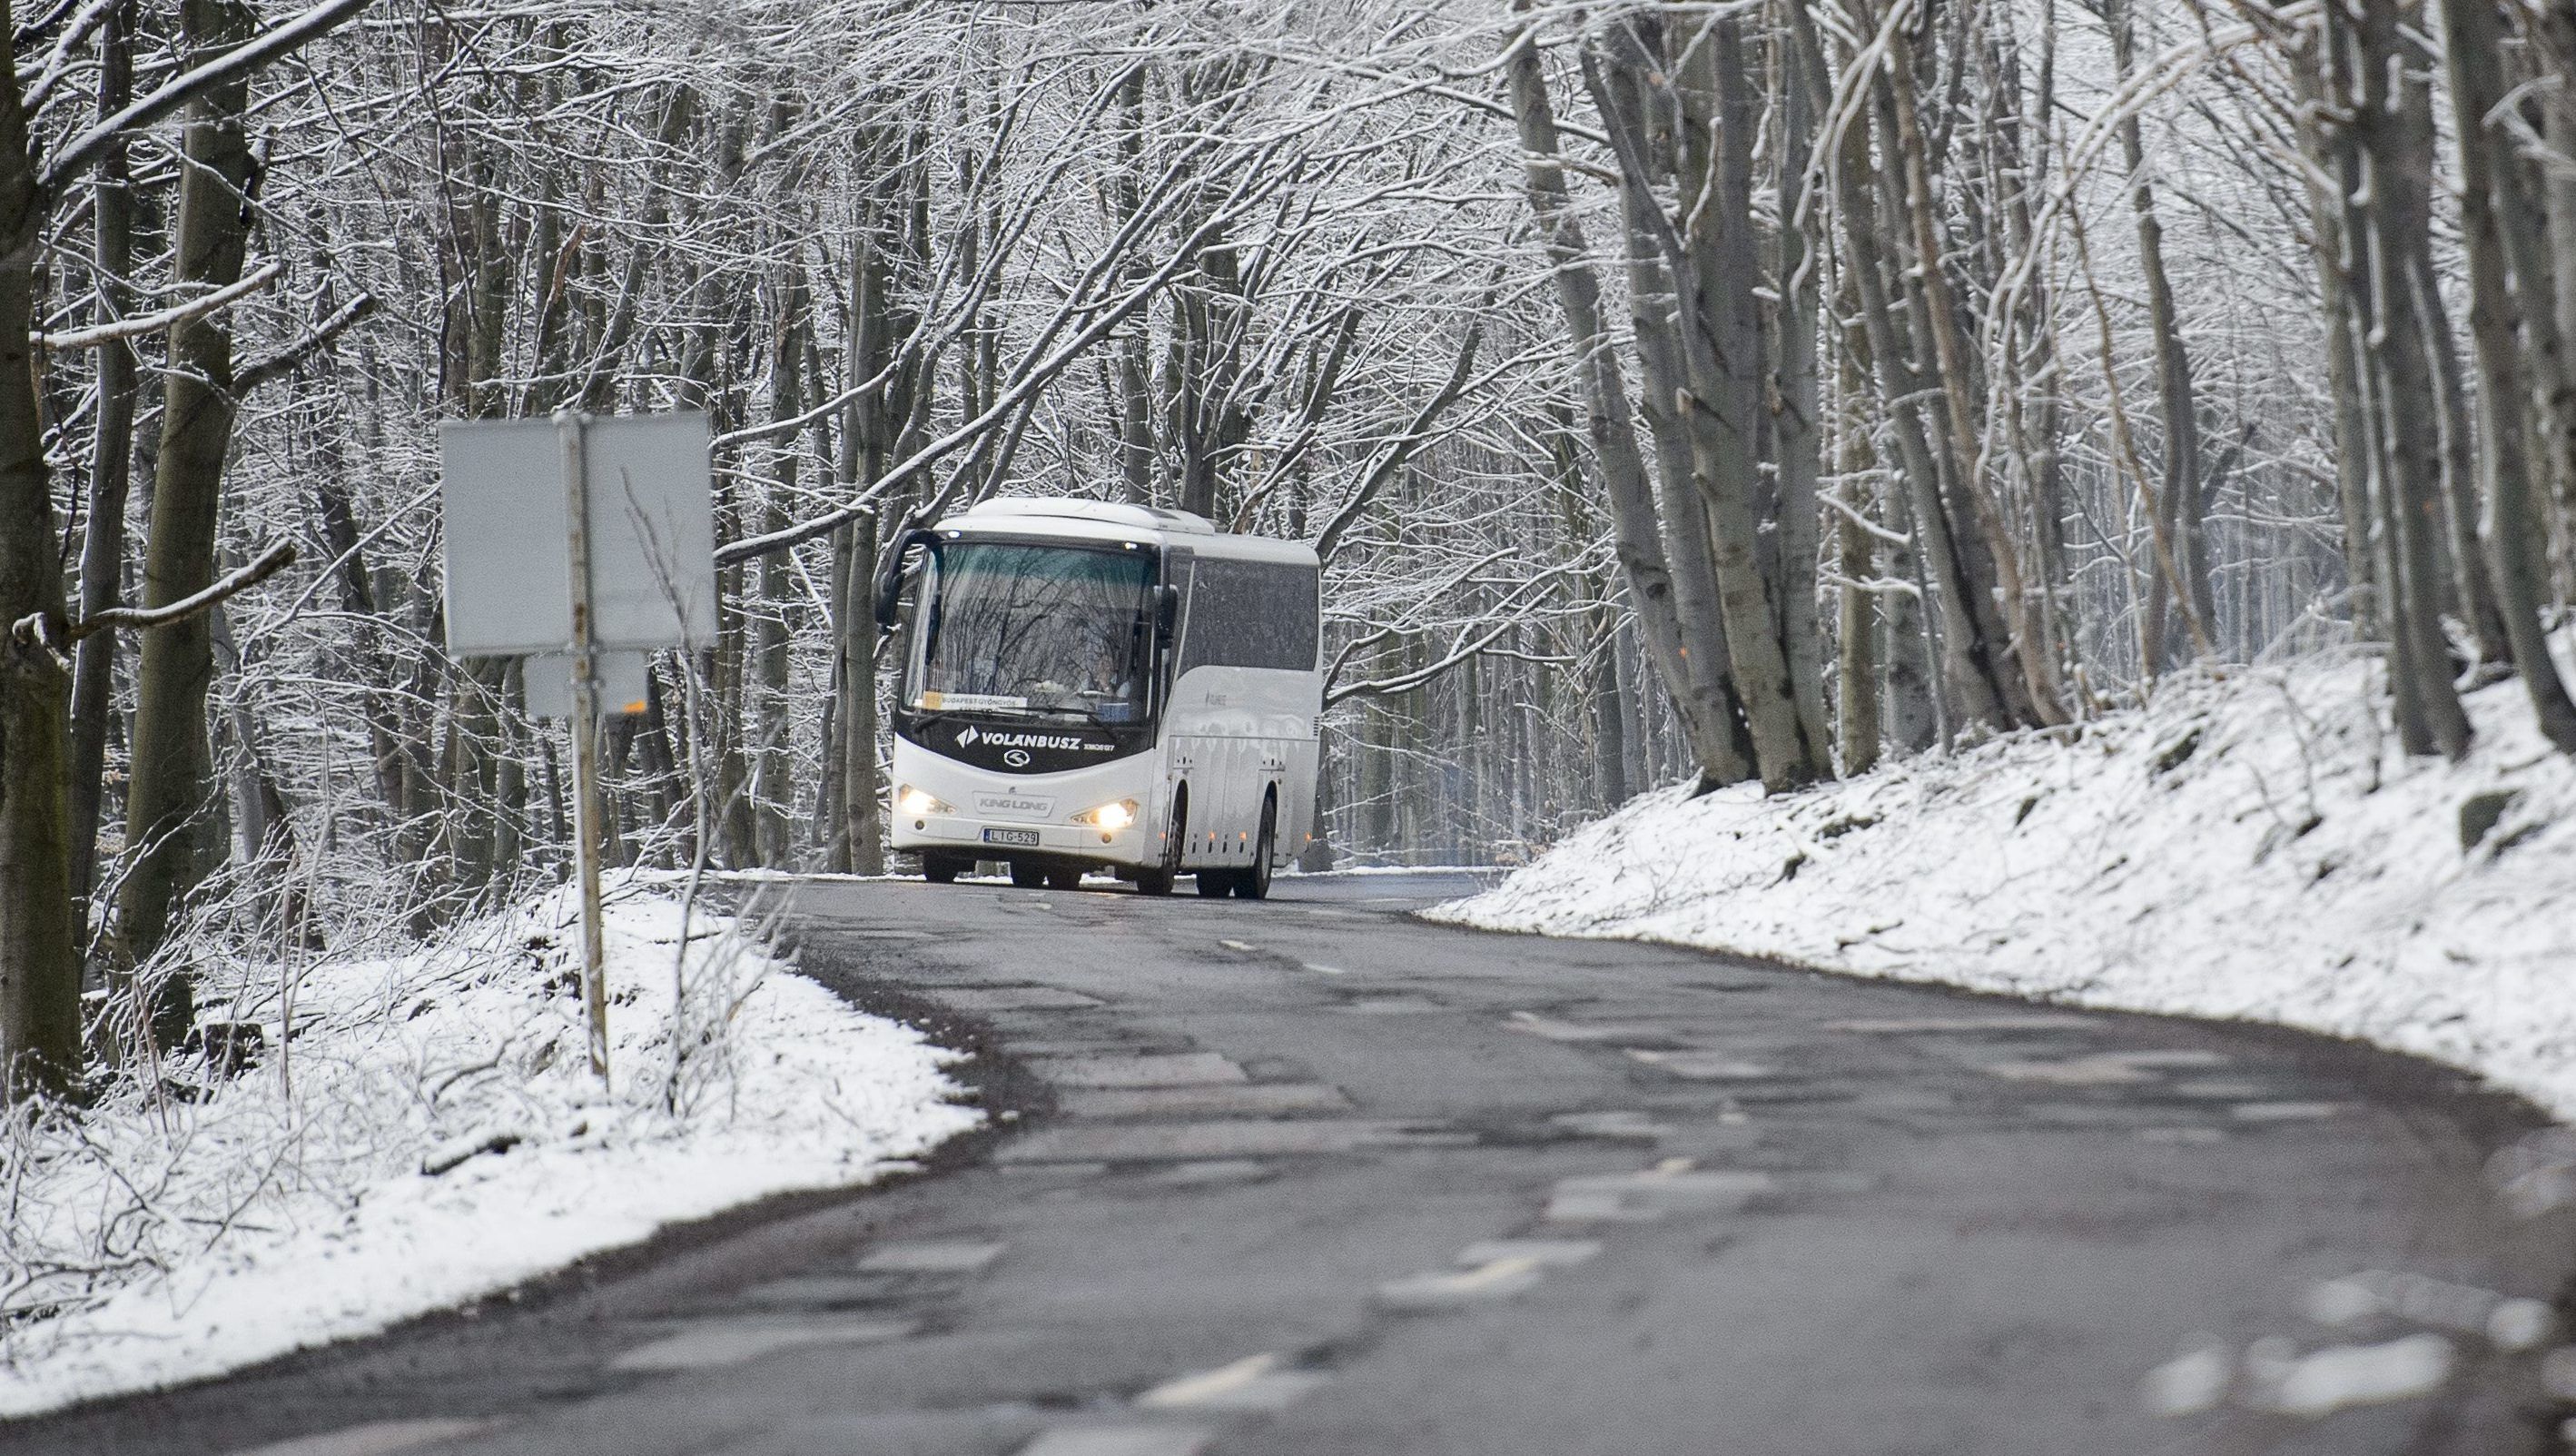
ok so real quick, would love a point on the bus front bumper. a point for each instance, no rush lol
(1003, 839)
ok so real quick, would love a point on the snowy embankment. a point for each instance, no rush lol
(2254, 847)
(432, 1134)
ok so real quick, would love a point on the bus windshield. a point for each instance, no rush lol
(1036, 631)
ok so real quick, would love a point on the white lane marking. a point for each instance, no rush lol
(740, 1341)
(1704, 1066)
(1239, 947)
(1323, 970)
(1172, 1069)
(1555, 1030)
(2102, 1069)
(1256, 1099)
(1210, 1173)
(2194, 1381)
(375, 1438)
(2285, 1111)
(2521, 1324)
(1500, 1279)
(1621, 1123)
(1119, 1441)
(813, 1290)
(2181, 1136)
(1394, 1006)
(1014, 998)
(1910, 1026)
(931, 1256)
(2341, 1376)
(1176, 1142)
(1254, 1383)
(2217, 1089)
(1644, 1197)
(1547, 1253)
(2558, 1373)
(2512, 1324)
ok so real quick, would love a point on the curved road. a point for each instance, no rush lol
(1312, 1177)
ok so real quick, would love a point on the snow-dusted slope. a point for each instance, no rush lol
(2251, 847)
(435, 1135)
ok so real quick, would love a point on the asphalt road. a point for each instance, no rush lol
(1309, 1176)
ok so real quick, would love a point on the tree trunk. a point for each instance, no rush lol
(40, 971)
(1970, 675)
(2031, 695)
(1613, 429)
(2386, 218)
(2493, 199)
(1654, 319)
(2335, 251)
(2178, 501)
(102, 565)
(170, 783)
(1795, 431)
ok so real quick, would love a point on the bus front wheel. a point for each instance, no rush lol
(1158, 880)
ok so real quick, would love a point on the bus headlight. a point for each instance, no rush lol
(913, 801)
(1109, 816)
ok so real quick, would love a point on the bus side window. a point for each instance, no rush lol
(1252, 614)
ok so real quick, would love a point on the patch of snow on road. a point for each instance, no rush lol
(2253, 846)
(434, 1135)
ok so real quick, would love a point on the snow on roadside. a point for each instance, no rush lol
(2250, 847)
(434, 1135)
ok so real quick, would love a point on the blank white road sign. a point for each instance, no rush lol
(621, 676)
(652, 534)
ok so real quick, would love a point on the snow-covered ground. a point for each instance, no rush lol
(2253, 846)
(433, 1134)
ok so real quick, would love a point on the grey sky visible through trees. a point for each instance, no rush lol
(1677, 393)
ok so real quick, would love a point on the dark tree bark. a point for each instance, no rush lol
(102, 567)
(40, 971)
(2385, 158)
(2498, 217)
(170, 774)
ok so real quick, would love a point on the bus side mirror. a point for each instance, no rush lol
(1167, 611)
(889, 581)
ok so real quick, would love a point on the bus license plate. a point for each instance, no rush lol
(1023, 838)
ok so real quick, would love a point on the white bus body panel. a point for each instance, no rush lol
(1234, 735)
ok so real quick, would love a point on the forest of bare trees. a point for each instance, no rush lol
(1674, 392)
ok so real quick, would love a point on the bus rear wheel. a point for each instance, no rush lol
(1253, 883)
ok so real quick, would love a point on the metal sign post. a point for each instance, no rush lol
(585, 736)
(628, 498)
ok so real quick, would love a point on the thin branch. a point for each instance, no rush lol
(296, 353)
(35, 630)
(151, 323)
(83, 151)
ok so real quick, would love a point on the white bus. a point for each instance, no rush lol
(1097, 686)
